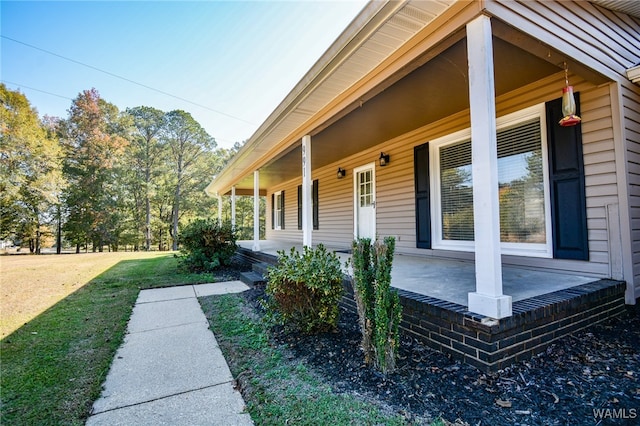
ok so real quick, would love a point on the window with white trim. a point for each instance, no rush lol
(523, 187)
(277, 210)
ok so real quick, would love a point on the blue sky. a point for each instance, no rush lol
(238, 58)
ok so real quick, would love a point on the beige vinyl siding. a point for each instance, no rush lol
(631, 111)
(335, 214)
(290, 231)
(600, 170)
(604, 40)
(395, 196)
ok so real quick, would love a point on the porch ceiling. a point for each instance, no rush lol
(433, 91)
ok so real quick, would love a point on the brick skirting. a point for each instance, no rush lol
(491, 345)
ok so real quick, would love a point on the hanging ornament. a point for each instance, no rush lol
(568, 103)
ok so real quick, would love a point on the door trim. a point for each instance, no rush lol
(372, 167)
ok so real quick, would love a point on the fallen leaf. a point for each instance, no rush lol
(555, 397)
(502, 403)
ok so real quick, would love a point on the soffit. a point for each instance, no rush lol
(379, 30)
(625, 6)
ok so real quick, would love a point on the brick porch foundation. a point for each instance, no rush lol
(488, 344)
(491, 345)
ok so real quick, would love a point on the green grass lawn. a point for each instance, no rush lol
(54, 364)
(278, 390)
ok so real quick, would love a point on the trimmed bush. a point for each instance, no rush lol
(206, 245)
(305, 289)
(379, 308)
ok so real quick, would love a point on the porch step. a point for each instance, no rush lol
(257, 256)
(260, 268)
(253, 279)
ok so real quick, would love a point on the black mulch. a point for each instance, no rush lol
(596, 369)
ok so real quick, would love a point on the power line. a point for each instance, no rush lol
(21, 86)
(37, 90)
(125, 79)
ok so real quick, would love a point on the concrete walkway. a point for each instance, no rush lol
(170, 370)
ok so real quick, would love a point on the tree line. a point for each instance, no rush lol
(102, 177)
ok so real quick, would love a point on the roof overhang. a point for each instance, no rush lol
(355, 86)
(378, 31)
(633, 74)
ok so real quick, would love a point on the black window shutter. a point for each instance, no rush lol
(567, 192)
(282, 210)
(316, 217)
(299, 206)
(273, 211)
(423, 204)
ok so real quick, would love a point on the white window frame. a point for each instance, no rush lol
(516, 249)
(277, 213)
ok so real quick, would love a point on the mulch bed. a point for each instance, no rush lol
(596, 369)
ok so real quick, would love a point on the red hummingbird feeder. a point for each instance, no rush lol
(568, 103)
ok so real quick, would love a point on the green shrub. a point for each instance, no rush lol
(379, 309)
(305, 289)
(206, 245)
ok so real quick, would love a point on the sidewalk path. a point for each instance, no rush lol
(170, 370)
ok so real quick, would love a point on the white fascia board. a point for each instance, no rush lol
(633, 74)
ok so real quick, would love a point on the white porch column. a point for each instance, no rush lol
(488, 298)
(256, 210)
(233, 207)
(219, 210)
(307, 209)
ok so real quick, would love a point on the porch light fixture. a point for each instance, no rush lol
(568, 103)
(341, 173)
(384, 159)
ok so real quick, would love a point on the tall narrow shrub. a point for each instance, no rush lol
(378, 305)
(363, 293)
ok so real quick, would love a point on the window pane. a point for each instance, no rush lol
(521, 183)
(278, 211)
(520, 180)
(456, 189)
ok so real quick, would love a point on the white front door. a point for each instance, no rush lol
(365, 202)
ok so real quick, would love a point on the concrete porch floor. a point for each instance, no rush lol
(451, 280)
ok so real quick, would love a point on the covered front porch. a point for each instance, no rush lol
(547, 306)
(438, 123)
(447, 279)
(429, 165)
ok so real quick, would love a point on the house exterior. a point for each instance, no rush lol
(437, 122)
